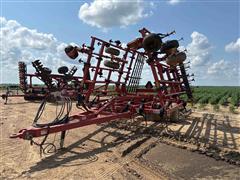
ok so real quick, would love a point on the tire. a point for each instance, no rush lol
(162, 112)
(175, 59)
(63, 70)
(111, 64)
(174, 116)
(71, 52)
(112, 51)
(47, 70)
(152, 42)
(169, 45)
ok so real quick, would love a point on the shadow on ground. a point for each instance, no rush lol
(203, 130)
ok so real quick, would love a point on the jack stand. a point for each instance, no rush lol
(63, 134)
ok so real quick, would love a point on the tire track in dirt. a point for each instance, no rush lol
(130, 164)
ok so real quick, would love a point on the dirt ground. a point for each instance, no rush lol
(125, 149)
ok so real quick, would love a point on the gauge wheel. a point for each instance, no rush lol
(111, 64)
(112, 51)
(152, 42)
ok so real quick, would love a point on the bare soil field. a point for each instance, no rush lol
(205, 145)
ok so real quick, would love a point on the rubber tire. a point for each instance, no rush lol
(112, 51)
(169, 45)
(162, 112)
(63, 70)
(111, 64)
(152, 42)
(47, 70)
(175, 59)
(71, 52)
(174, 116)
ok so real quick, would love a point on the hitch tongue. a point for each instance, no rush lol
(20, 134)
(15, 135)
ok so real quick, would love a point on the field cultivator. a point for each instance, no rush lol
(32, 92)
(108, 65)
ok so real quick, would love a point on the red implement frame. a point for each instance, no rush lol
(32, 92)
(161, 100)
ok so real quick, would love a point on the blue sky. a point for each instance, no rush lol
(210, 30)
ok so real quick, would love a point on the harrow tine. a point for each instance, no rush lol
(136, 73)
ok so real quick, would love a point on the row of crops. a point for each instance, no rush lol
(214, 95)
(217, 95)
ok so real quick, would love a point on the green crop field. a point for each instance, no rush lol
(216, 95)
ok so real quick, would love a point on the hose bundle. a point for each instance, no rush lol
(66, 106)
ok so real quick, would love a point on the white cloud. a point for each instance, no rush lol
(17, 35)
(206, 70)
(146, 75)
(173, 2)
(199, 49)
(19, 43)
(233, 46)
(218, 67)
(111, 13)
(225, 71)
